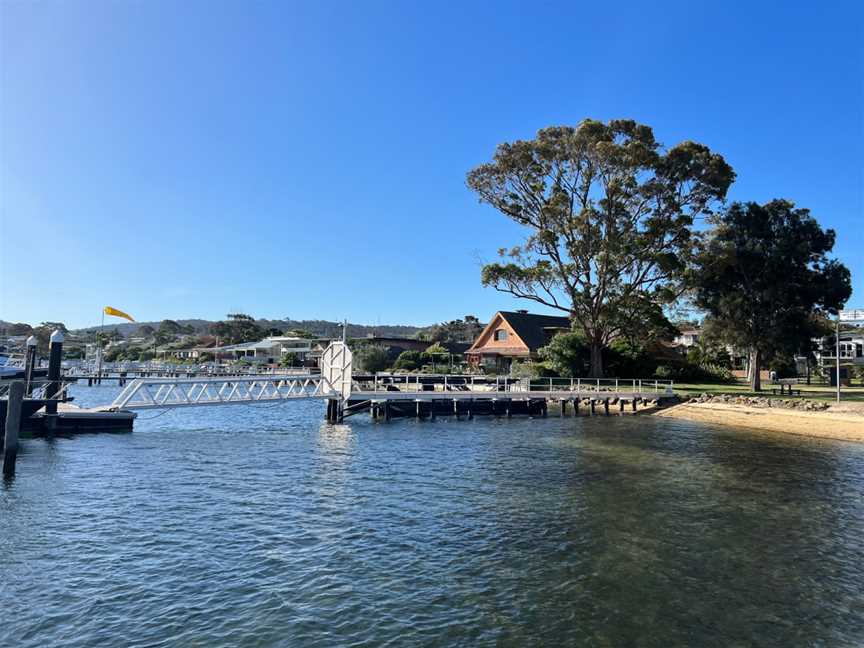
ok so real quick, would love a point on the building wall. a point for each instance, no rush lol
(487, 340)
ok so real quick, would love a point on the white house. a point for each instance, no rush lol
(267, 351)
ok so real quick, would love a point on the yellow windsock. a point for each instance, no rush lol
(118, 313)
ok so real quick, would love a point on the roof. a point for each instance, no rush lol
(532, 329)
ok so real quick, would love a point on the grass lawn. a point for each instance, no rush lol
(813, 392)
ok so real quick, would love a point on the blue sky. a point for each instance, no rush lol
(183, 159)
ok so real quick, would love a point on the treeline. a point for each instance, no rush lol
(316, 328)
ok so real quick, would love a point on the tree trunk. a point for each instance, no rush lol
(596, 370)
(755, 370)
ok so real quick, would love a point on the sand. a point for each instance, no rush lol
(842, 425)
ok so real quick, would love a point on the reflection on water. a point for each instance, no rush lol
(239, 526)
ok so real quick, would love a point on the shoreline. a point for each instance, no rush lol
(840, 426)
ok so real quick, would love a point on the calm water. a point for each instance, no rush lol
(264, 527)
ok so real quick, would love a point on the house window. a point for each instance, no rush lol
(500, 335)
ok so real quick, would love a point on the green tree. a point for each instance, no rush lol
(238, 328)
(372, 358)
(43, 335)
(608, 213)
(409, 360)
(764, 278)
(288, 360)
(464, 330)
(567, 354)
(145, 330)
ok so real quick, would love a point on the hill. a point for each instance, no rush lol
(320, 328)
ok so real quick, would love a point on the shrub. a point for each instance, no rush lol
(372, 358)
(408, 361)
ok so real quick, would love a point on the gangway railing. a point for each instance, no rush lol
(425, 383)
(145, 393)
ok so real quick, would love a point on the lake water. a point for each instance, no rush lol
(261, 526)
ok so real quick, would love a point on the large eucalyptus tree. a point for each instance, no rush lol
(608, 213)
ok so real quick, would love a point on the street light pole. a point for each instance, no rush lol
(838, 357)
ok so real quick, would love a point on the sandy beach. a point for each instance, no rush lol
(845, 424)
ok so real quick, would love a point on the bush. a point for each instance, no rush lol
(567, 355)
(372, 358)
(693, 373)
(528, 369)
(408, 361)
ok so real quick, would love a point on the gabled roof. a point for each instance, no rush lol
(530, 328)
(533, 328)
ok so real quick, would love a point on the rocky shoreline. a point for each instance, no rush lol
(789, 416)
(799, 404)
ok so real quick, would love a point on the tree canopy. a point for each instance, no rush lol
(237, 329)
(608, 213)
(764, 278)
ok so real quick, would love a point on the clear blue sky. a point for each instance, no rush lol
(187, 159)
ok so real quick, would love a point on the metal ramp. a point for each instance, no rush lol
(334, 382)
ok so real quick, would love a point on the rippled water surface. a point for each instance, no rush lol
(242, 526)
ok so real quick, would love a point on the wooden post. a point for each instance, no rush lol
(635, 398)
(13, 425)
(55, 356)
(576, 407)
(593, 406)
(621, 405)
(563, 404)
(387, 411)
(29, 365)
(606, 406)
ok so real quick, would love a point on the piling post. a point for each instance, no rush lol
(575, 407)
(633, 402)
(507, 404)
(29, 364)
(456, 409)
(563, 404)
(471, 406)
(621, 405)
(55, 356)
(13, 425)
(593, 407)
(606, 406)
(387, 411)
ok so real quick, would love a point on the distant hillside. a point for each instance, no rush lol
(322, 328)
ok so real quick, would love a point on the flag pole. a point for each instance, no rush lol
(99, 346)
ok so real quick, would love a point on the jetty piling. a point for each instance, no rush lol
(13, 426)
(29, 365)
(55, 356)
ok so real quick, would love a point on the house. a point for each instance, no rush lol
(851, 355)
(270, 350)
(687, 338)
(514, 335)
